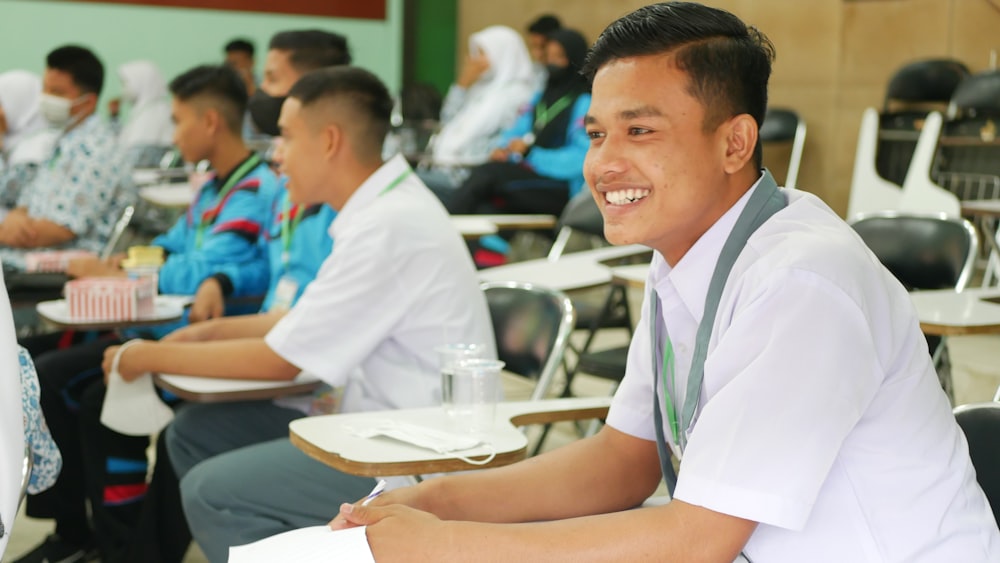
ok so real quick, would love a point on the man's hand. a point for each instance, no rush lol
(126, 368)
(500, 155)
(93, 267)
(209, 302)
(399, 533)
(518, 146)
(200, 332)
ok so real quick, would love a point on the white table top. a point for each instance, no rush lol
(944, 312)
(985, 207)
(168, 195)
(577, 270)
(516, 221)
(632, 276)
(168, 308)
(213, 390)
(473, 226)
(330, 438)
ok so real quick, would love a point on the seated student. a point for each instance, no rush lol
(25, 139)
(536, 167)
(399, 279)
(148, 122)
(538, 38)
(239, 54)
(77, 196)
(215, 246)
(805, 440)
(493, 86)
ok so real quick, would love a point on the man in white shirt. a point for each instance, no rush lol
(398, 280)
(819, 431)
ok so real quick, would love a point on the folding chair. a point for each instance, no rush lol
(981, 424)
(784, 126)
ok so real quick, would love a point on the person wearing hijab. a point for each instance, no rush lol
(538, 163)
(494, 85)
(25, 139)
(148, 123)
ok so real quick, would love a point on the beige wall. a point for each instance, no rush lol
(834, 57)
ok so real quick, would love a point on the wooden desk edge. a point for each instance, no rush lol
(230, 396)
(584, 413)
(365, 469)
(934, 329)
(106, 325)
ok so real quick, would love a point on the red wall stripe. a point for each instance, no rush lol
(364, 9)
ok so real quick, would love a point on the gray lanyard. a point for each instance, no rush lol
(764, 202)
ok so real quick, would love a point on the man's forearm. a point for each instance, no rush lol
(608, 472)
(244, 326)
(246, 358)
(48, 234)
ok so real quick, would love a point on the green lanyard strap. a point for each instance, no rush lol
(291, 216)
(765, 201)
(210, 215)
(544, 114)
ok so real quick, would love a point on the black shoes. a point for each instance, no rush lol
(55, 550)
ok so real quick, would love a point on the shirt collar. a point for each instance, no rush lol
(86, 127)
(692, 274)
(371, 188)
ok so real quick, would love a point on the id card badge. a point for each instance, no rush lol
(284, 293)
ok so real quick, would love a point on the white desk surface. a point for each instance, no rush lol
(944, 312)
(631, 276)
(330, 440)
(515, 221)
(215, 390)
(983, 207)
(168, 308)
(168, 195)
(473, 226)
(577, 270)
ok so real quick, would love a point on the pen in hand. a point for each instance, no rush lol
(379, 488)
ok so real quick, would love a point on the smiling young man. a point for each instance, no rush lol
(800, 440)
(77, 195)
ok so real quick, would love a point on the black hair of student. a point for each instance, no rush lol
(310, 49)
(366, 96)
(240, 46)
(545, 24)
(221, 86)
(81, 64)
(728, 62)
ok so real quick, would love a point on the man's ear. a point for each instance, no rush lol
(332, 139)
(212, 120)
(741, 140)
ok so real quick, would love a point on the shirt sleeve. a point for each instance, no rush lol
(46, 459)
(565, 162)
(781, 394)
(353, 303)
(229, 246)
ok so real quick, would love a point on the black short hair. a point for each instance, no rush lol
(81, 64)
(310, 49)
(366, 95)
(728, 62)
(221, 86)
(545, 24)
(240, 46)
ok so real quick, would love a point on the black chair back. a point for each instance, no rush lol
(779, 125)
(582, 214)
(931, 80)
(981, 424)
(978, 96)
(922, 251)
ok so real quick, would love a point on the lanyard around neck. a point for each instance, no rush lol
(288, 226)
(544, 114)
(764, 202)
(399, 180)
(210, 215)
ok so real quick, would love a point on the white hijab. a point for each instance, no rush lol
(27, 138)
(492, 103)
(149, 118)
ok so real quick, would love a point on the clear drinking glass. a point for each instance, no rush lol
(475, 388)
(449, 355)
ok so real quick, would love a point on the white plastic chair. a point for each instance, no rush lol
(870, 191)
(921, 194)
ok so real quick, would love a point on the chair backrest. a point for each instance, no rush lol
(12, 442)
(977, 96)
(922, 251)
(581, 214)
(932, 80)
(981, 424)
(921, 194)
(784, 125)
(870, 191)
(532, 325)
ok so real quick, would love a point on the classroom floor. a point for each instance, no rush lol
(28, 532)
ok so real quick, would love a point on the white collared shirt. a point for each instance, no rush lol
(821, 416)
(398, 283)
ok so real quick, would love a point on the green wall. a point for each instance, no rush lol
(434, 31)
(177, 38)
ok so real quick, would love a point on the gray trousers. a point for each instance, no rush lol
(242, 480)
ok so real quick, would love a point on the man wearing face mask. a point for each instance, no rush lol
(74, 199)
(291, 54)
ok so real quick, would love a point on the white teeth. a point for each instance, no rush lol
(623, 197)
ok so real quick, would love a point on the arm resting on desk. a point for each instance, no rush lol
(244, 358)
(600, 476)
(226, 328)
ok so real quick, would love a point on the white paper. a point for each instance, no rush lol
(134, 408)
(315, 544)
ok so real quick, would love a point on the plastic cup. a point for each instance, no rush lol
(449, 355)
(475, 388)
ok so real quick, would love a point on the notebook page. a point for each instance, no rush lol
(315, 544)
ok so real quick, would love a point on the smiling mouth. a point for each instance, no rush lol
(625, 197)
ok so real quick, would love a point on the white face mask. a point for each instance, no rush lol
(56, 109)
